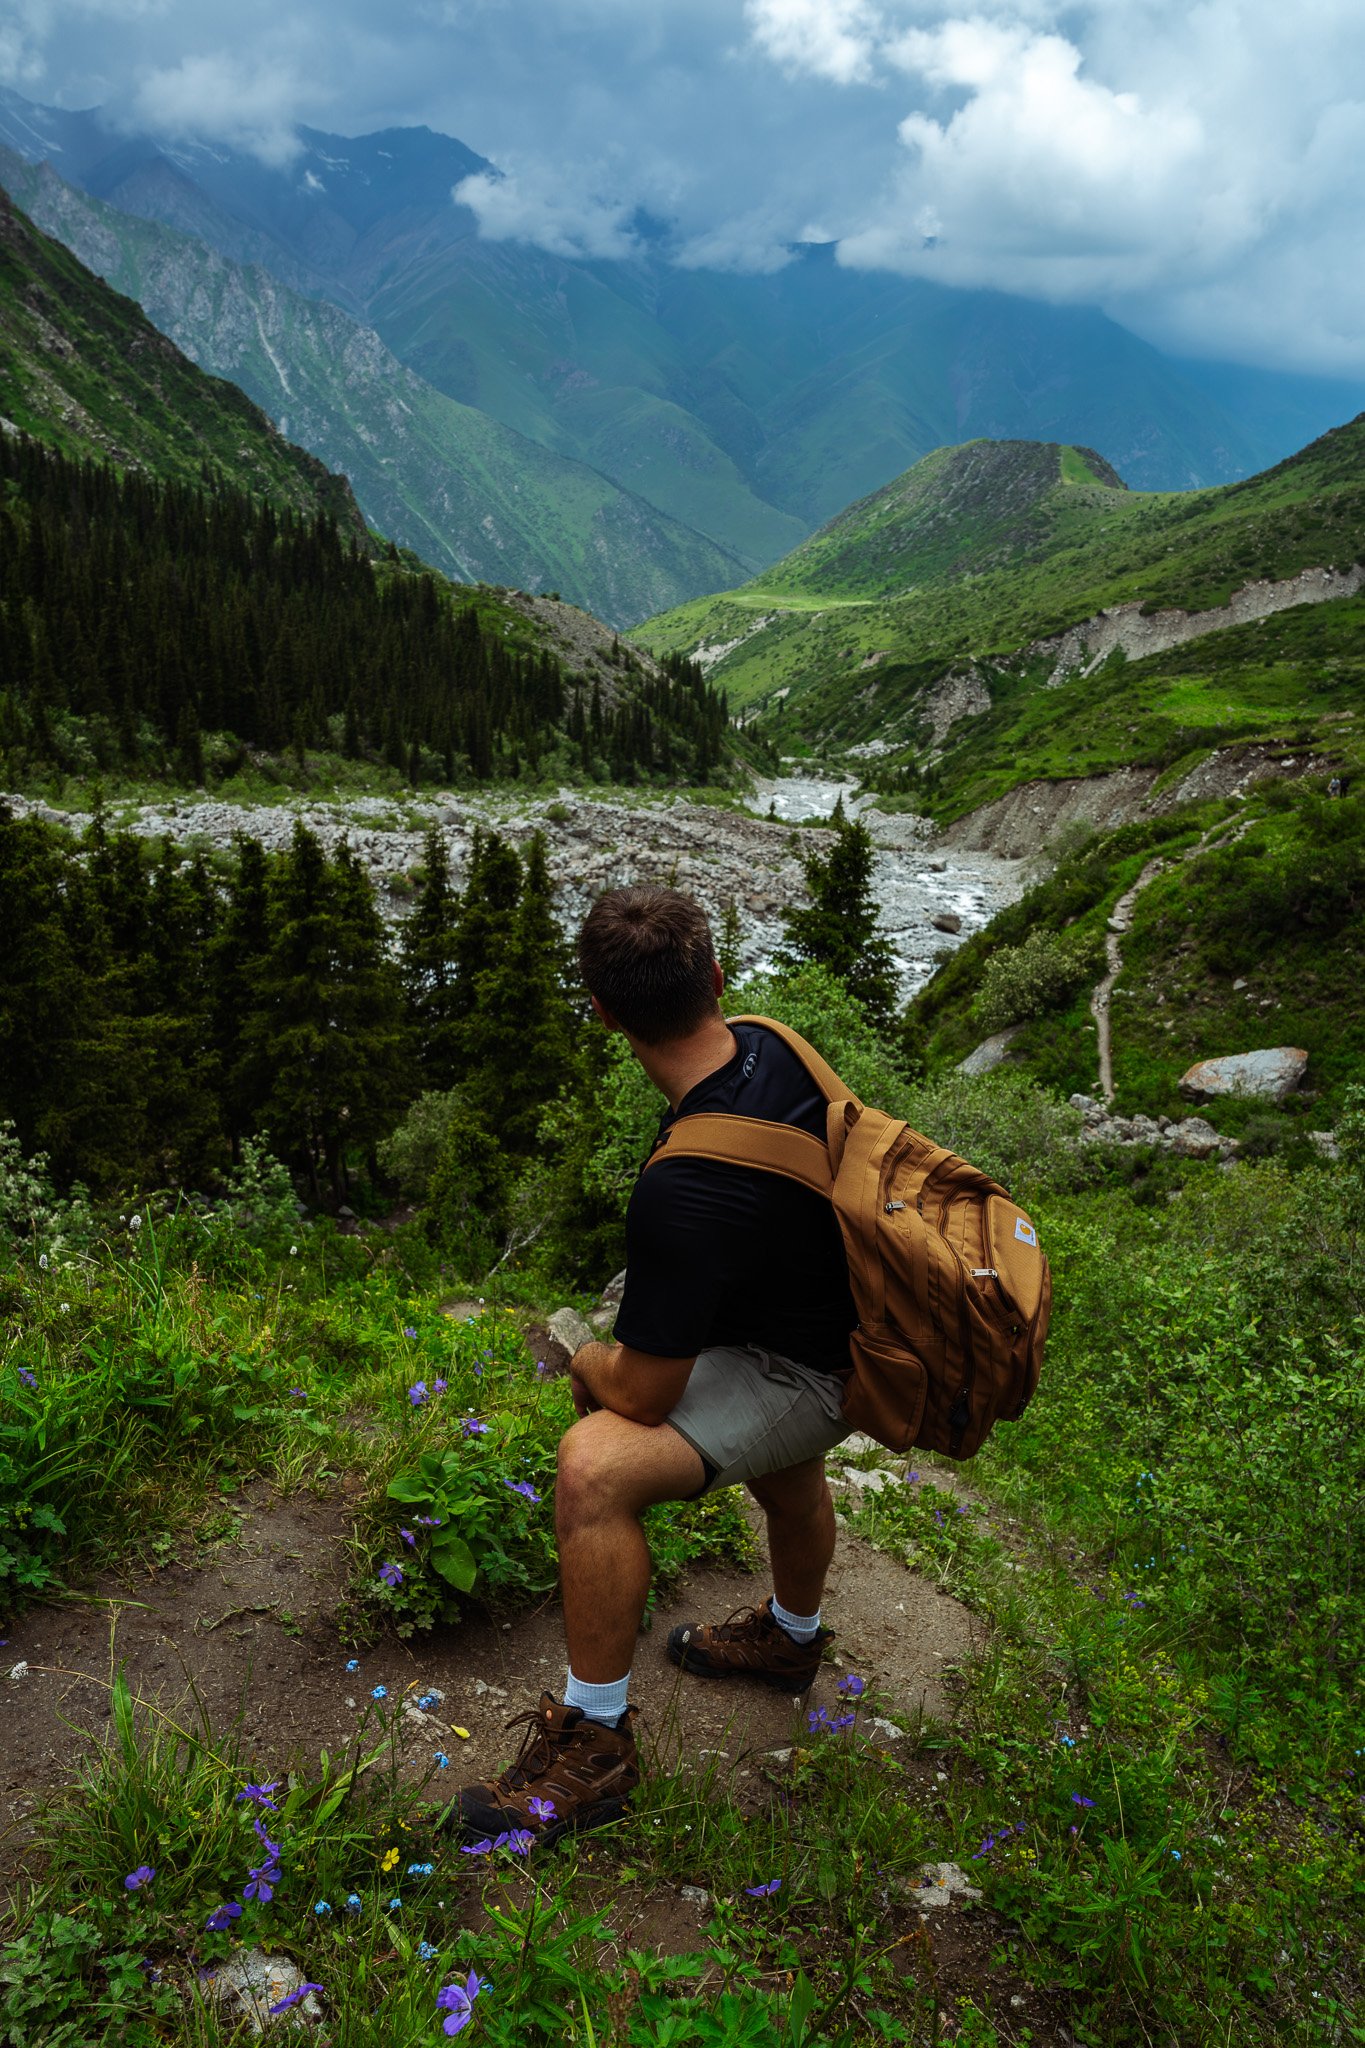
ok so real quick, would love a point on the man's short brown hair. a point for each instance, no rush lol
(648, 957)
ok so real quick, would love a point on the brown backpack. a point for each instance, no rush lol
(952, 1291)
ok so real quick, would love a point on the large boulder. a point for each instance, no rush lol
(992, 1052)
(1266, 1076)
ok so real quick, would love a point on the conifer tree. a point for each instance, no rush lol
(236, 962)
(838, 928)
(430, 969)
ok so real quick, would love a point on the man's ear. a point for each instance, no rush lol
(717, 978)
(603, 1016)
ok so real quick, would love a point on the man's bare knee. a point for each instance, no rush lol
(583, 1475)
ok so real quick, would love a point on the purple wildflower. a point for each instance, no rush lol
(272, 1849)
(417, 1393)
(261, 1794)
(541, 1809)
(471, 1426)
(428, 1521)
(842, 1721)
(542, 1369)
(222, 1917)
(817, 1720)
(519, 1840)
(297, 1394)
(764, 1891)
(261, 1883)
(291, 1998)
(439, 1386)
(456, 2001)
(851, 1687)
(391, 1574)
(135, 1879)
(1079, 1799)
(477, 1848)
(30, 1379)
(408, 1538)
(523, 1487)
(409, 1331)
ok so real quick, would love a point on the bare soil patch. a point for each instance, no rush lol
(249, 1624)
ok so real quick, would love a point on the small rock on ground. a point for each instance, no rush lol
(249, 1983)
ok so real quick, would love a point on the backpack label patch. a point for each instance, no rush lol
(1025, 1231)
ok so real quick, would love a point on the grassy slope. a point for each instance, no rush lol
(473, 497)
(83, 369)
(980, 550)
(1277, 907)
(1148, 1772)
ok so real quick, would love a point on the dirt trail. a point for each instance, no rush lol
(1120, 920)
(250, 1624)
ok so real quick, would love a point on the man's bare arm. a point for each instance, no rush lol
(631, 1383)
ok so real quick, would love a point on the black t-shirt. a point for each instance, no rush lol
(724, 1254)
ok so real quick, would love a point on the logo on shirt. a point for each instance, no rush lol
(1025, 1231)
(750, 1063)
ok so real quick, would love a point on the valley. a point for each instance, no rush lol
(720, 852)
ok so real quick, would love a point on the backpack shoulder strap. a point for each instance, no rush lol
(749, 1141)
(820, 1071)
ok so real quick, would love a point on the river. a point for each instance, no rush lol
(721, 854)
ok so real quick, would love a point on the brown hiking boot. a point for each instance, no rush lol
(569, 1773)
(749, 1645)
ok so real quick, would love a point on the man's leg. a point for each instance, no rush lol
(782, 1641)
(610, 1471)
(577, 1766)
(800, 1515)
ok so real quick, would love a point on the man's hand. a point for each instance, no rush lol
(631, 1383)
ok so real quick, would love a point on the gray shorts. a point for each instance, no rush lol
(746, 1412)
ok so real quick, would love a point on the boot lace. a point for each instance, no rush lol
(538, 1750)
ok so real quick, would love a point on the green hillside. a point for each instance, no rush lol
(472, 496)
(979, 552)
(82, 369)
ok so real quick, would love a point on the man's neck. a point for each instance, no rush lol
(677, 1067)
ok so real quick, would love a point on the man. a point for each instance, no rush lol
(728, 1366)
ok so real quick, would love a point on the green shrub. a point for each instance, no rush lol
(1027, 981)
(412, 1153)
(470, 1191)
(1007, 1125)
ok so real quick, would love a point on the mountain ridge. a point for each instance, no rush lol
(973, 622)
(78, 361)
(747, 408)
(474, 498)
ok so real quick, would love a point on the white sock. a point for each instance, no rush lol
(800, 1627)
(604, 1703)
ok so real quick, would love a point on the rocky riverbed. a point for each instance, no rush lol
(719, 853)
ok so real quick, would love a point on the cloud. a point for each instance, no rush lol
(833, 39)
(1041, 173)
(563, 215)
(1193, 168)
(252, 104)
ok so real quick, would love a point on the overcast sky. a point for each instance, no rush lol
(1193, 166)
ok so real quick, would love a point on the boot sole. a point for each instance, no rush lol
(781, 1681)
